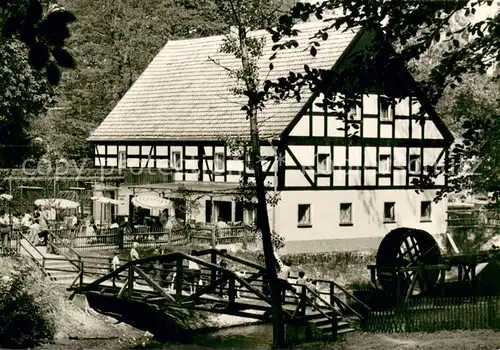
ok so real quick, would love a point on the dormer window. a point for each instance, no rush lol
(386, 109)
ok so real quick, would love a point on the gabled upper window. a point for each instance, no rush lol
(386, 109)
(122, 159)
(353, 110)
(324, 163)
(176, 161)
(219, 162)
(414, 165)
(384, 164)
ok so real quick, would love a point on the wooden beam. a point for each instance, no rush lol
(123, 289)
(153, 284)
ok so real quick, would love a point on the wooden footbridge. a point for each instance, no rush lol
(166, 283)
(148, 293)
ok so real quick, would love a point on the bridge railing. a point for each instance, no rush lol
(169, 278)
(339, 296)
(41, 260)
(137, 277)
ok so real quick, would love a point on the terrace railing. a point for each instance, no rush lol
(112, 239)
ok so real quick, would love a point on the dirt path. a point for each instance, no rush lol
(480, 339)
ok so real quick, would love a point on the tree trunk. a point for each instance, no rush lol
(277, 317)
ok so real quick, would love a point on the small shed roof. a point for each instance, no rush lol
(184, 95)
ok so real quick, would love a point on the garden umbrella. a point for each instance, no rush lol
(58, 203)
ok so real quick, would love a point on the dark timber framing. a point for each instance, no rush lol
(286, 143)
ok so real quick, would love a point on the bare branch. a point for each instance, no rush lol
(232, 71)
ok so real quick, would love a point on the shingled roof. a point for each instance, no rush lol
(184, 95)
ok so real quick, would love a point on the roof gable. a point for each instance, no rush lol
(184, 95)
(393, 80)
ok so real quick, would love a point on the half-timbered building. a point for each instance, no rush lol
(336, 192)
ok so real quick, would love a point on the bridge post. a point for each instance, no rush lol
(332, 293)
(178, 280)
(302, 302)
(81, 272)
(130, 281)
(334, 327)
(232, 290)
(213, 272)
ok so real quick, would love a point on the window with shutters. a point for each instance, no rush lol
(345, 214)
(304, 219)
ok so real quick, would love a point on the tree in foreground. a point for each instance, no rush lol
(407, 32)
(243, 17)
(32, 53)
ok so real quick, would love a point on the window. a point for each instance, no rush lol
(384, 164)
(304, 215)
(425, 211)
(223, 211)
(219, 162)
(386, 109)
(353, 110)
(345, 214)
(414, 166)
(248, 159)
(122, 159)
(176, 161)
(389, 215)
(324, 164)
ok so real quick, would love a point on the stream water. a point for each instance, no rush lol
(245, 337)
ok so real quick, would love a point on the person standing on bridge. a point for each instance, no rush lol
(283, 275)
(115, 264)
(134, 254)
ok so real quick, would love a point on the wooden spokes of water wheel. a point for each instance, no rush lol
(407, 247)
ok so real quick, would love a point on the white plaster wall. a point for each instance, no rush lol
(367, 213)
(162, 151)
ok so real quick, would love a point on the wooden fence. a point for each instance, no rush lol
(109, 239)
(437, 314)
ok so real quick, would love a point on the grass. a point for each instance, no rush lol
(479, 339)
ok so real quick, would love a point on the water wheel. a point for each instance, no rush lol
(406, 247)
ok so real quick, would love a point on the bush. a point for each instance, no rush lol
(25, 321)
